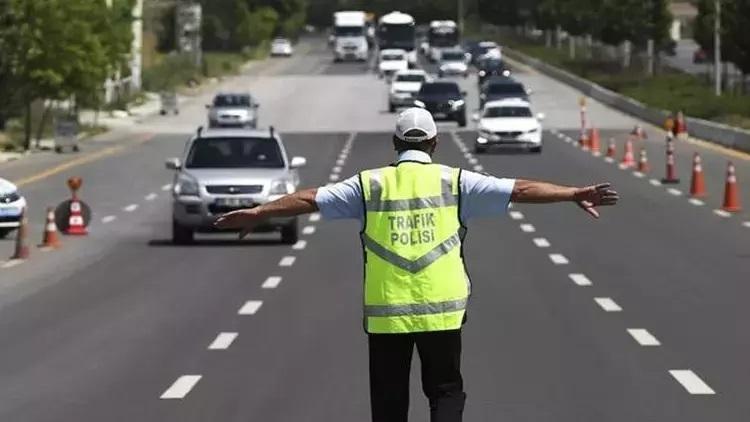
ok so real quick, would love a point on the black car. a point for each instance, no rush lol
(490, 67)
(444, 100)
(501, 88)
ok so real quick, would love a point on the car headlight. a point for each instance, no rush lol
(484, 133)
(455, 104)
(482, 73)
(186, 186)
(535, 130)
(281, 187)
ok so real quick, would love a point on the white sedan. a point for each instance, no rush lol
(281, 47)
(508, 123)
(12, 205)
(404, 88)
(391, 61)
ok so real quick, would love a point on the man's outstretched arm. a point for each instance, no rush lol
(588, 198)
(301, 202)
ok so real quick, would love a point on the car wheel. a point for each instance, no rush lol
(536, 150)
(76, 148)
(163, 112)
(290, 233)
(5, 232)
(461, 121)
(58, 150)
(479, 150)
(391, 108)
(440, 74)
(181, 235)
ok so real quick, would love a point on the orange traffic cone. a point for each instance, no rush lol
(628, 160)
(22, 249)
(680, 128)
(76, 225)
(671, 174)
(697, 182)
(731, 192)
(594, 142)
(50, 239)
(643, 166)
(583, 140)
(611, 151)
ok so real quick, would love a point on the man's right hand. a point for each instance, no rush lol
(244, 220)
(590, 197)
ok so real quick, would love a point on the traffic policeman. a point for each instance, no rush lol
(413, 215)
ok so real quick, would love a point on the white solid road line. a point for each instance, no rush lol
(108, 219)
(130, 208)
(643, 337)
(315, 217)
(608, 304)
(272, 282)
(151, 196)
(287, 261)
(691, 382)
(181, 387)
(222, 341)
(516, 215)
(541, 242)
(722, 213)
(655, 182)
(301, 244)
(528, 228)
(580, 279)
(675, 192)
(558, 259)
(308, 230)
(250, 307)
(168, 186)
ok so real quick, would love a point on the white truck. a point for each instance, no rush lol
(396, 31)
(442, 35)
(350, 40)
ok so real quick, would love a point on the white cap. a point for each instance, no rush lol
(418, 119)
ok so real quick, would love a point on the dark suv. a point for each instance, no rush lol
(490, 67)
(444, 100)
(501, 88)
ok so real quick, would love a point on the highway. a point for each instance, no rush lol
(637, 316)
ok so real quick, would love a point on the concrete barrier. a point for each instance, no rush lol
(725, 135)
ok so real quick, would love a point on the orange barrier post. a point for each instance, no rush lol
(611, 149)
(697, 181)
(22, 249)
(628, 160)
(671, 173)
(643, 166)
(595, 142)
(680, 129)
(76, 225)
(731, 191)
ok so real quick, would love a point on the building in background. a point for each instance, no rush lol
(683, 15)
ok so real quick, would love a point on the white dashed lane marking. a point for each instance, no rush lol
(609, 160)
(333, 177)
(301, 244)
(580, 279)
(695, 201)
(608, 304)
(746, 224)
(340, 162)
(541, 242)
(308, 230)
(655, 182)
(516, 215)
(643, 337)
(638, 174)
(473, 161)
(108, 219)
(130, 208)
(315, 217)
(675, 192)
(528, 228)
(271, 282)
(151, 196)
(478, 168)
(336, 169)
(181, 387)
(287, 261)
(722, 213)
(691, 382)
(250, 307)
(223, 341)
(12, 263)
(166, 187)
(558, 259)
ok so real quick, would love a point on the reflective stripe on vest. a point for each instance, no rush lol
(415, 279)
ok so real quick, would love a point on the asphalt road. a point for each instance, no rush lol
(571, 319)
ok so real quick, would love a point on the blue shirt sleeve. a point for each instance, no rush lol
(483, 195)
(341, 200)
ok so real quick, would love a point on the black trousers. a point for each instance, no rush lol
(390, 366)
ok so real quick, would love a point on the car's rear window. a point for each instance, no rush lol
(448, 88)
(230, 153)
(232, 101)
(393, 56)
(506, 89)
(507, 111)
(453, 56)
(410, 78)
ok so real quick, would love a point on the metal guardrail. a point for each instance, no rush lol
(725, 135)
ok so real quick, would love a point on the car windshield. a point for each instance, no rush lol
(392, 56)
(348, 31)
(505, 111)
(506, 89)
(280, 42)
(232, 101)
(453, 56)
(446, 88)
(491, 63)
(410, 78)
(234, 153)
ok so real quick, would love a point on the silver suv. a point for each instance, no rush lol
(228, 169)
(233, 110)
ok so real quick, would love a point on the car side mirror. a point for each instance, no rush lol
(475, 117)
(173, 163)
(298, 162)
(256, 105)
(529, 91)
(208, 106)
(540, 116)
(463, 93)
(419, 104)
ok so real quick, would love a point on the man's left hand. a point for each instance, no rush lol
(245, 220)
(590, 197)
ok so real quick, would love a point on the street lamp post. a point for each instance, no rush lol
(717, 47)
(460, 9)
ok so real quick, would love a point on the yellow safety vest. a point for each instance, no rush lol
(415, 278)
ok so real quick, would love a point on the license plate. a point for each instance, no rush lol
(234, 202)
(439, 115)
(10, 212)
